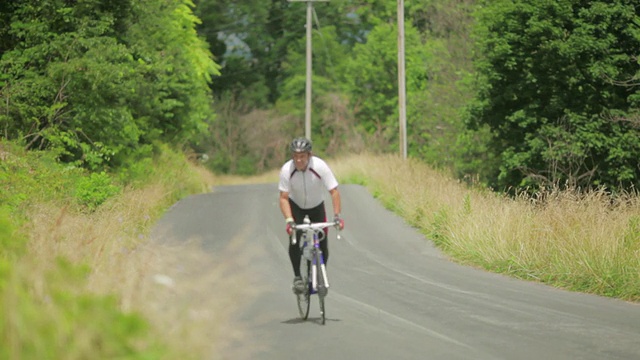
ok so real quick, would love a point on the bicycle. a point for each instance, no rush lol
(317, 281)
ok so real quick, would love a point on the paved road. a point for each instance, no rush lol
(393, 295)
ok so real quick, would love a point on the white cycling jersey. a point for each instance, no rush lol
(307, 188)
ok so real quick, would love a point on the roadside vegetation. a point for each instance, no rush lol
(581, 241)
(80, 278)
(77, 270)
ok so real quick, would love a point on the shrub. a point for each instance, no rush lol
(95, 189)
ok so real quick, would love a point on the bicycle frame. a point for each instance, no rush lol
(312, 231)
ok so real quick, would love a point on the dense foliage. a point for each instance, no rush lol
(514, 93)
(99, 81)
(557, 86)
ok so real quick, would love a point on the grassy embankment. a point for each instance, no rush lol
(78, 277)
(582, 242)
(102, 302)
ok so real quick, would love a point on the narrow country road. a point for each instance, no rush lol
(393, 295)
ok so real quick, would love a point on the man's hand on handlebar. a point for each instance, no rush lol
(338, 221)
(290, 225)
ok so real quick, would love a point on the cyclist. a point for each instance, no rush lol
(303, 182)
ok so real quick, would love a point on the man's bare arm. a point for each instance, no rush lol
(285, 207)
(335, 199)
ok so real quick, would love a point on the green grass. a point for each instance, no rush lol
(69, 276)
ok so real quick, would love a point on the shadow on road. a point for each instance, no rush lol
(311, 320)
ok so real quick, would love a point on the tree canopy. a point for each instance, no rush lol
(557, 86)
(100, 80)
(516, 94)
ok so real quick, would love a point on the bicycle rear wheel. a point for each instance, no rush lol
(303, 299)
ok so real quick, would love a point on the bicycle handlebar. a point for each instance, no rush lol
(311, 226)
(314, 226)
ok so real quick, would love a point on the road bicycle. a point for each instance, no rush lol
(312, 266)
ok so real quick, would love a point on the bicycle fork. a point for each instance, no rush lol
(314, 273)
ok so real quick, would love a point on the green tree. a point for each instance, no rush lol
(549, 89)
(332, 121)
(60, 76)
(177, 67)
(97, 80)
(250, 41)
(261, 46)
(371, 79)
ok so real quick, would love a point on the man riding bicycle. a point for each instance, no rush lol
(303, 181)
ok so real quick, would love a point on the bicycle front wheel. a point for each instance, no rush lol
(322, 287)
(303, 298)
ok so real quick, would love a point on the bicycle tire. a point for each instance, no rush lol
(304, 299)
(322, 289)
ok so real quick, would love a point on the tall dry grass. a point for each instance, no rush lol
(165, 283)
(586, 242)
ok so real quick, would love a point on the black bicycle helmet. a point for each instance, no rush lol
(300, 145)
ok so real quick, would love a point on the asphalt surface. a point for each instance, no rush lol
(393, 295)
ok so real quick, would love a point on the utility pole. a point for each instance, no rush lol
(402, 91)
(307, 109)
